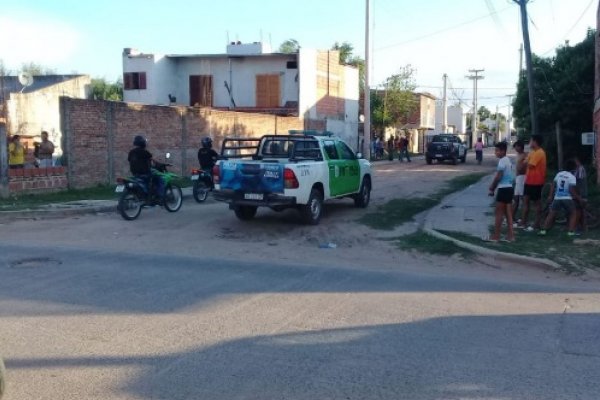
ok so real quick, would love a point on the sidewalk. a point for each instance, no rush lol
(471, 212)
(71, 208)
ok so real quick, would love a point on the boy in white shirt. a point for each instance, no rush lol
(503, 181)
(562, 195)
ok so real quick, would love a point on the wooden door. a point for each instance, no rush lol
(201, 90)
(267, 91)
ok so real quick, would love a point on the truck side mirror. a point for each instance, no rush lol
(359, 155)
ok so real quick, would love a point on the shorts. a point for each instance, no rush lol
(504, 195)
(563, 204)
(520, 185)
(534, 192)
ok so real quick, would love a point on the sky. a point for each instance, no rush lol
(435, 37)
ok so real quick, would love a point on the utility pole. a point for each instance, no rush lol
(509, 117)
(475, 77)
(521, 61)
(498, 134)
(367, 91)
(529, 63)
(445, 106)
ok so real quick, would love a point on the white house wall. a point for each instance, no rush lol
(307, 68)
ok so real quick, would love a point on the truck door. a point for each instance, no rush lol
(335, 165)
(350, 169)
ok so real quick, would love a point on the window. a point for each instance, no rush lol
(134, 81)
(330, 150)
(345, 151)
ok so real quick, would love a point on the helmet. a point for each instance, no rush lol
(140, 141)
(207, 143)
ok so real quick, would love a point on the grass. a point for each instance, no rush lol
(32, 201)
(573, 254)
(424, 243)
(398, 211)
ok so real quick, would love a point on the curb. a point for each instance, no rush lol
(484, 251)
(48, 214)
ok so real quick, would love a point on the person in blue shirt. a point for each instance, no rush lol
(502, 187)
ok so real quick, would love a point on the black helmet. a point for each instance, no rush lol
(140, 141)
(207, 143)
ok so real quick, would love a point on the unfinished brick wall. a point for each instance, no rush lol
(99, 134)
(330, 85)
(37, 180)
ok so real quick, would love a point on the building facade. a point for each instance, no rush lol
(309, 84)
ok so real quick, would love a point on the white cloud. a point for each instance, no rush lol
(41, 40)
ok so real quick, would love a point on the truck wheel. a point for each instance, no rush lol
(454, 160)
(311, 212)
(463, 159)
(245, 213)
(362, 198)
(428, 160)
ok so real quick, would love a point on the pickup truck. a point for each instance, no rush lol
(299, 170)
(446, 147)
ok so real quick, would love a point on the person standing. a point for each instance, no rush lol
(563, 195)
(16, 153)
(479, 151)
(45, 151)
(405, 146)
(521, 169)
(535, 177)
(390, 148)
(503, 183)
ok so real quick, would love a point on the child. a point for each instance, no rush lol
(479, 151)
(562, 194)
(503, 181)
(581, 176)
(521, 169)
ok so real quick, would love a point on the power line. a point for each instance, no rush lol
(572, 27)
(442, 30)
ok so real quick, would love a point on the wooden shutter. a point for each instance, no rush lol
(267, 91)
(201, 90)
(127, 81)
(142, 80)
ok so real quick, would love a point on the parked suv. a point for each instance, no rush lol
(446, 147)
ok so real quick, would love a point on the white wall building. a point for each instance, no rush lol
(457, 118)
(311, 84)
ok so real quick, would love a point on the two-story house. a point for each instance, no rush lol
(310, 84)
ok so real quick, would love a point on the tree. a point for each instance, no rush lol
(564, 92)
(289, 46)
(103, 90)
(483, 113)
(394, 104)
(36, 69)
(346, 49)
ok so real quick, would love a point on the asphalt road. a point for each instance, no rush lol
(99, 308)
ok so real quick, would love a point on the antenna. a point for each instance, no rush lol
(25, 79)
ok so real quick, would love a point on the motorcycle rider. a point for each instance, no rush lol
(207, 157)
(140, 164)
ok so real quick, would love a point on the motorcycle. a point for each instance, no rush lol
(202, 184)
(136, 193)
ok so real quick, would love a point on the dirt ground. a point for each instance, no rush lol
(211, 230)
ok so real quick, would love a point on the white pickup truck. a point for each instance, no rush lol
(299, 170)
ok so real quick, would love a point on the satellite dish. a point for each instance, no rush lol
(26, 79)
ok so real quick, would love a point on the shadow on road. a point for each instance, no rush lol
(553, 356)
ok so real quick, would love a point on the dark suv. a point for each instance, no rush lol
(446, 147)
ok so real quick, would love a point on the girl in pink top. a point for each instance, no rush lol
(479, 151)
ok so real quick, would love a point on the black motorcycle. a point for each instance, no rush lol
(202, 184)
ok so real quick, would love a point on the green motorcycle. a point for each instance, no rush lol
(137, 193)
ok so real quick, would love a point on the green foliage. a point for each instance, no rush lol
(483, 113)
(289, 46)
(564, 92)
(103, 90)
(347, 57)
(397, 101)
(36, 69)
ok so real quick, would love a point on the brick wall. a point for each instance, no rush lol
(37, 180)
(330, 85)
(99, 134)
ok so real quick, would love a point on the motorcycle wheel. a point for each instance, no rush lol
(200, 191)
(130, 205)
(173, 198)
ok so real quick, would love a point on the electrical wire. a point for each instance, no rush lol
(441, 30)
(571, 29)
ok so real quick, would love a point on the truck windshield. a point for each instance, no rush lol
(290, 148)
(444, 138)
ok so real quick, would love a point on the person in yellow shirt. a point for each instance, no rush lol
(16, 153)
(535, 177)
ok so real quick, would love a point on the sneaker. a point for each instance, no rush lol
(542, 232)
(515, 225)
(529, 229)
(571, 234)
